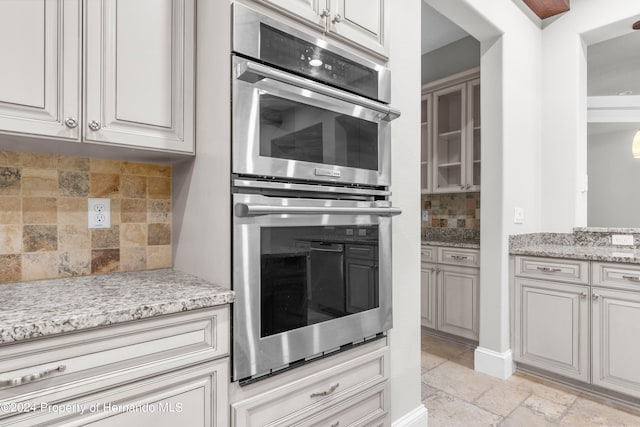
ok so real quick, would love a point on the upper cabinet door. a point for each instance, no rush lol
(139, 73)
(312, 12)
(39, 76)
(361, 22)
(473, 135)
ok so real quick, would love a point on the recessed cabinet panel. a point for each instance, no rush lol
(361, 22)
(458, 302)
(39, 76)
(616, 348)
(309, 11)
(553, 329)
(144, 62)
(139, 73)
(428, 295)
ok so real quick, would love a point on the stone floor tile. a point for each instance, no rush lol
(525, 417)
(459, 381)
(426, 391)
(442, 348)
(466, 359)
(448, 411)
(585, 412)
(502, 399)
(551, 410)
(429, 361)
(547, 390)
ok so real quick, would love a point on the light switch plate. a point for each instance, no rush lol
(518, 215)
(622, 239)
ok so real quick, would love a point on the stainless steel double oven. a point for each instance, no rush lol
(312, 217)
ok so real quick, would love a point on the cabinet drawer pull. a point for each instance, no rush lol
(459, 257)
(327, 392)
(14, 382)
(549, 269)
(632, 278)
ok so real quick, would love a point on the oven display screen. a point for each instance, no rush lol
(290, 53)
(312, 274)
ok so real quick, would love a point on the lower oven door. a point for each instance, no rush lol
(310, 276)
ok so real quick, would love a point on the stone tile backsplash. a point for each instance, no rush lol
(452, 210)
(43, 216)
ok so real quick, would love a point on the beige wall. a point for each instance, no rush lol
(43, 216)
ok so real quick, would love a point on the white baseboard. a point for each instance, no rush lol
(415, 418)
(492, 363)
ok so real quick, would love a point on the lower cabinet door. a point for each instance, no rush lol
(552, 327)
(189, 397)
(616, 347)
(428, 295)
(458, 289)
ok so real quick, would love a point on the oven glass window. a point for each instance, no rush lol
(312, 274)
(295, 131)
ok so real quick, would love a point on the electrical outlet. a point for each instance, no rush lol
(622, 239)
(425, 215)
(518, 215)
(99, 213)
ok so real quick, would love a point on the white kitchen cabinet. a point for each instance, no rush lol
(616, 348)
(552, 326)
(172, 370)
(425, 143)
(428, 295)
(362, 24)
(139, 73)
(458, 301)
(450, 290)
(40, 73)
(579, 325)
(349, 388)
(136, 67)
(451, 134)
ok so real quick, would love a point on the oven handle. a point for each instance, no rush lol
(248, 71)
(245, 210)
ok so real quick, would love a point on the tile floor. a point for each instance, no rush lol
(456, 395)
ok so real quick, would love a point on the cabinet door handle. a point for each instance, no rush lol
(326, 392)
(459, 257)
(632, 278)
(336, 19)
(336, 424)
(583, 295)
(325, 13)
(94, 126)
(595, 296)
(549, 269)
(71, 122)
(14, 382)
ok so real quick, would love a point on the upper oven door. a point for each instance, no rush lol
(291, 127)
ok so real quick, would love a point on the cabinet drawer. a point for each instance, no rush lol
(367, 408)
(293, 401)
(459, 256)
(428, 253)
(112, 355)
(565, 270)
(622, 276)
(362, 251)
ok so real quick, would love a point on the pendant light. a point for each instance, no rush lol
(635, 146)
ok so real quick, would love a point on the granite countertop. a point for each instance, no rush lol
(47, 307)
(585, 243)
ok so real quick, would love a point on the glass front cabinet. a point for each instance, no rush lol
(450, 138)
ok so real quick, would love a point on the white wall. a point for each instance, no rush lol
(405, 178)
(564, 134)
(453, 58)
(613, 177)
(511, 117)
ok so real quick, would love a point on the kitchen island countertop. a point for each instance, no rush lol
(46, 307)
